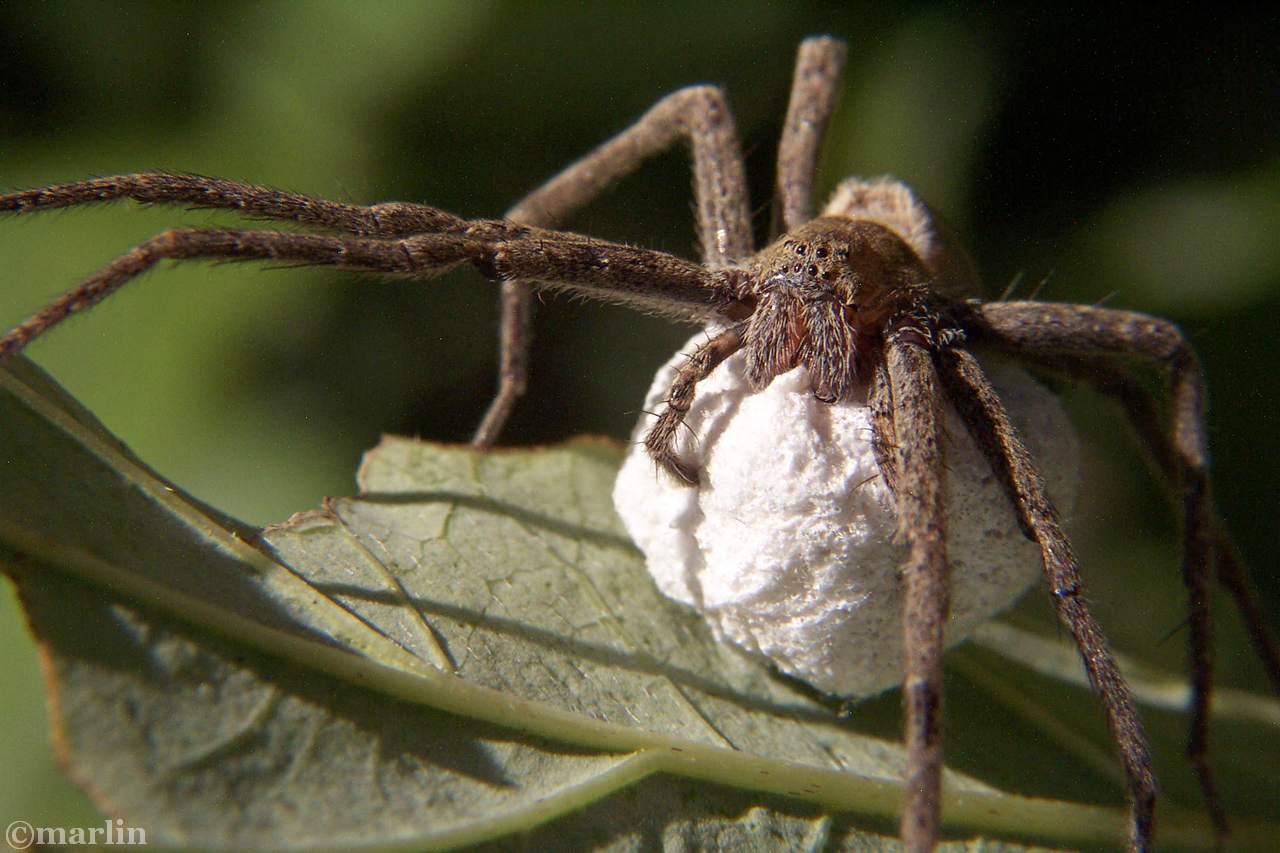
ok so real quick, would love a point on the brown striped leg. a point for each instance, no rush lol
(661, 438)
(1143, 411)
(642, 278)
(813, 98)
(984, 415)
(591, 268)
(1111, 376)
(918, 462)
(186, 244)
(699, 115)
(381, 220)
(1087, 332)
(515, 336)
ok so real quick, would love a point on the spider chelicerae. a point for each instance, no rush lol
(847, 295)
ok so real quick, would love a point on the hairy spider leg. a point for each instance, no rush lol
(698, 114)
(645, 279)
(973, 397)
(395, 219)
(814, 87)
(661, 438)
(921, 501)
(1143, 413)
(1099, 333)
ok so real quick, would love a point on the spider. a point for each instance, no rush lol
(869, 296)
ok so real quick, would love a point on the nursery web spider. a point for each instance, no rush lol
(866, 295)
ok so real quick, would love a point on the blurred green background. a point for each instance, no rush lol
(1120, 153)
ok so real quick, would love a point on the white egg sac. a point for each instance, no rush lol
(787, 546)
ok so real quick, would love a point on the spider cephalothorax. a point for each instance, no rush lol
(870, 296)
(824, 295)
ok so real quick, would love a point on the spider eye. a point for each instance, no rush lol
(800, 249)
(820, 252)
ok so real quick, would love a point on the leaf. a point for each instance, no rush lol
(468, 650)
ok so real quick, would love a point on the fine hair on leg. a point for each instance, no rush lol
(1111, 377)
(1094, 339)
(699, 115)
(987, 421)
(919, 466)
(396, 219)
(642, 278)
(814, 87)
(661, 438)
(386, 256)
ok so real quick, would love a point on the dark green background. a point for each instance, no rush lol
(1124, 153)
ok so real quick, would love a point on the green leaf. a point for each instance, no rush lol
(468, 650)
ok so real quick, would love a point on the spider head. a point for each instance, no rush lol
(822, 295)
